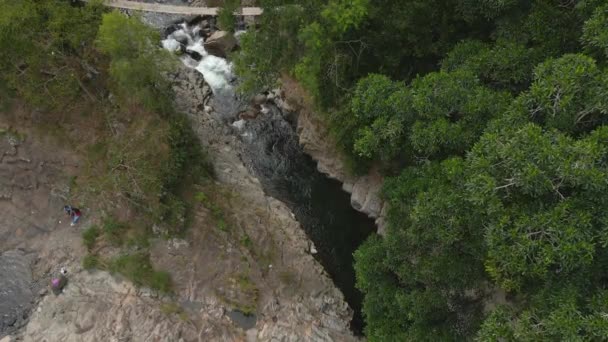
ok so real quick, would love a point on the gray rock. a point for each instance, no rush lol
(15, 290)
(259, 99)
(220, 43)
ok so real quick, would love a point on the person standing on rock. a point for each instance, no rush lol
(74, 213)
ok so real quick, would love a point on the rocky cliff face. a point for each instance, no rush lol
(318, 143)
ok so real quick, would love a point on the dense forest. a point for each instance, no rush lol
(488, 119)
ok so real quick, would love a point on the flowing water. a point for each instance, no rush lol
(285, 171)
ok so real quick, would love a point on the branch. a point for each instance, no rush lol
(504, 186)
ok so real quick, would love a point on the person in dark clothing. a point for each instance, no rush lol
(74, 214)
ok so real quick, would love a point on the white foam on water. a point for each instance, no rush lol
(198, 47)
(189, 61)
(171, 44)
(217, 72)
(196, 30)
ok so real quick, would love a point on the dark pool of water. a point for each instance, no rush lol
(319, 203)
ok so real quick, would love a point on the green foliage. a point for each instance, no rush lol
(187, 164)
(439, 114)
(379, 106)
(452, 111)
(43, 58)
(309, 68)
(136, 67)
(138, 269)
(595, 31)
(271, 49)
(563, 314)
(226, 19)
(90, 261)
(114, 230)
(539, 188)
(187, 158)
(496, 191)
(488, 9)
(432, 253)
(569, 94)
(345, 14)
(89, 236)
(384, 317)
(217, 212)
(248, 288)
(505, 65)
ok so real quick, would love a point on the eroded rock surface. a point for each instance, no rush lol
(297, 300)
(16, 290)
(317, 142)
(220, 43)
(97, 307)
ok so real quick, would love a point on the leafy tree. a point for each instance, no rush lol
(539, 189)
(271, 49)
(488, 9)
(225, 17)
(378, 109)
(505, 65)
(431, 255)
(452, 110)
(45, 60)
(568, 94)
(438, 115)
(385, 319)
(344, 15)
(595, 31)
(136, 67)
(568, 313)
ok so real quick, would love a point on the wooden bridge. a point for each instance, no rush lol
(173, 9)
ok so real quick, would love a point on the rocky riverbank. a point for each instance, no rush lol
(301, 302)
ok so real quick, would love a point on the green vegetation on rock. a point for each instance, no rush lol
(96, 80)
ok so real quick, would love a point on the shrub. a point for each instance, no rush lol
(90, 261)
(114, 230)
(138, 269)
(89, 236)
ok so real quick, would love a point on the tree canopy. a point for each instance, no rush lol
(488, 118)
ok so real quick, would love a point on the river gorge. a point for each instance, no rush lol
(275, 156)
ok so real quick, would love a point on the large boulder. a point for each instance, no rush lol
(220, 43)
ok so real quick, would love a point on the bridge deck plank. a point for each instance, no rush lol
(172, 9)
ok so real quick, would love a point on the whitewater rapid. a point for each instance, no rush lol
(216, 71)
